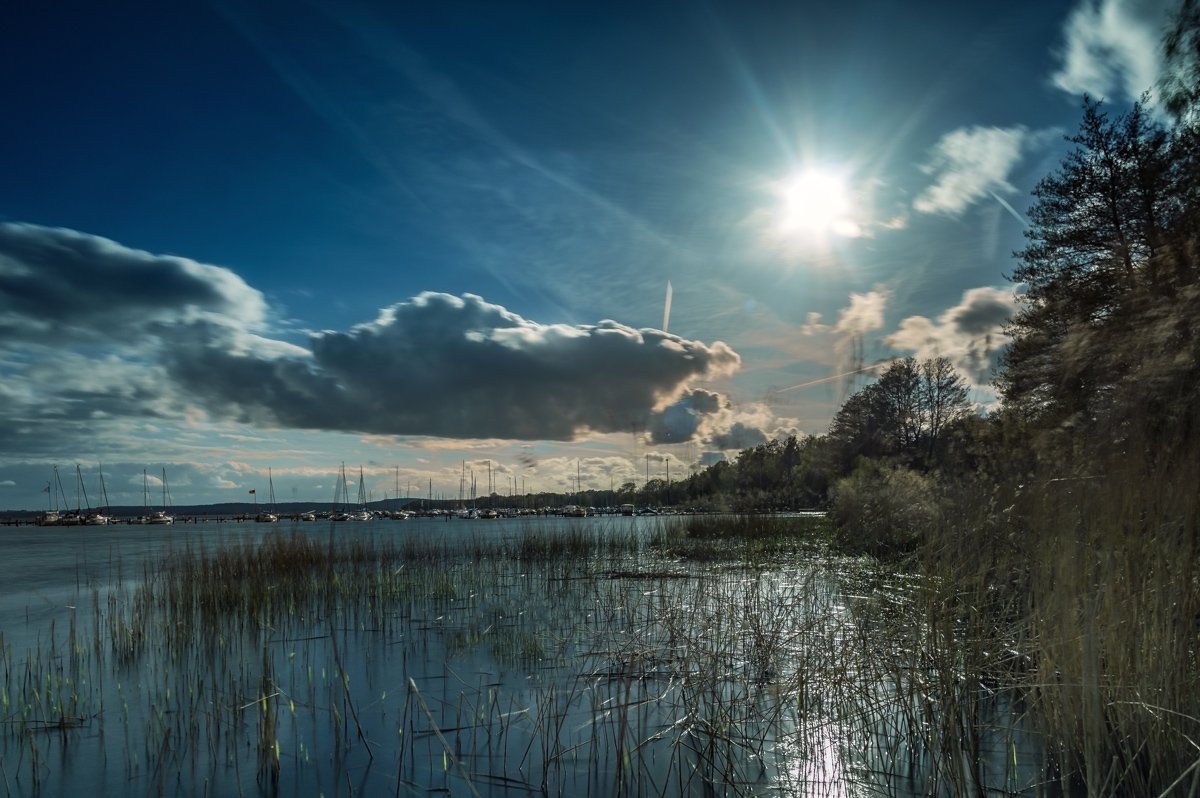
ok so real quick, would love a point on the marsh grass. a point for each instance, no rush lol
(732, 657)
(1075, 600)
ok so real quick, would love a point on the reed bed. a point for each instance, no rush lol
(1078, 594)
(687, 661)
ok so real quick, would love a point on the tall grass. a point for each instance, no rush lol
(1075, 594)
(700, 659)
(272, 663)
(749, 537)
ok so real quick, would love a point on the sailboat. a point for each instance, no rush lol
(145, 516)
(97, 517)
(266, 517)
(362, 513)
(73, 517)
(341, 498)
(160, 517)
(51, 517)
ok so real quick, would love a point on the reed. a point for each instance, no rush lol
(556, 661)
(1074, 599)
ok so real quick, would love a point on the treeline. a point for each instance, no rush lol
(916, 415)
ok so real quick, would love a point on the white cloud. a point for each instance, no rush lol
(863, 315)
(967, 165)
(970, 334)
(1112, 48)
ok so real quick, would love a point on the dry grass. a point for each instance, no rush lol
(1080, 593)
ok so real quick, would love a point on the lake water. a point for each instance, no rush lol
(46, 569)
(460, 658)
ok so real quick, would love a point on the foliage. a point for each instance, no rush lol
(1180, 85)
(883, 510)
(1109, 318)
(904, 416)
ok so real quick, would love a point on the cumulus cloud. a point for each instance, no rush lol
(1112, 47)
(738, 436)
(456, 367)
(745, 426)
(679, 421)
(96, 336)
(967, 165)
(970, 334)
(61, 286)
(864, 314)
(83, 323)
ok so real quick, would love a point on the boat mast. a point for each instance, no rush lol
(58, 488)
(78, 485)
(102, 488)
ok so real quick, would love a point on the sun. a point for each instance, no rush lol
(815, 202)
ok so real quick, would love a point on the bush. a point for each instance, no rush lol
(883, 510)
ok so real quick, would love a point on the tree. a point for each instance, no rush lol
(904, 411)
(944, 396)
(903, 415)
(1180, 85)
(1102, 231)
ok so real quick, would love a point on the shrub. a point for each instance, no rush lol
(883, 510)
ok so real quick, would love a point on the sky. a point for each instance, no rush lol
(542, 244)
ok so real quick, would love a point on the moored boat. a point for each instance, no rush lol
(267, 516)
(158, 517)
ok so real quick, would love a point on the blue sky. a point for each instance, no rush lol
(252, 235)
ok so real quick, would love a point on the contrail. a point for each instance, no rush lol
(667, 308)
(811, 383)
(1010, 209)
